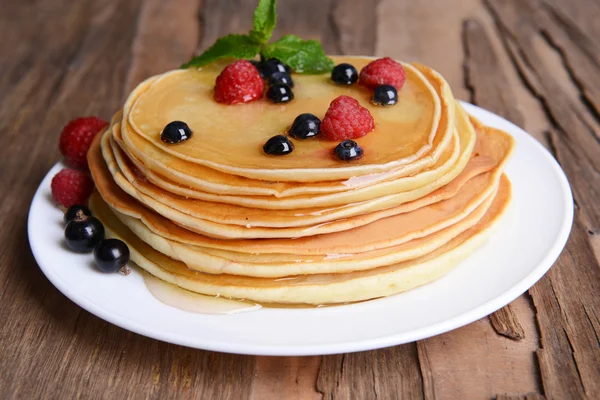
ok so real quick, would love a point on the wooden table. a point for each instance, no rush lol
(536, 63)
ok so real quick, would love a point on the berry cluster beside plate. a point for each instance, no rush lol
(71, 188)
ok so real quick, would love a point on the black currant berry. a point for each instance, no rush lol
(176, 132)
(305, 126)
(348, 150)
(281, 78)
(83, 233)
(280, 93)
(111, 255)
(278, 146)
(344, 74)
(273, 65)
(385, 95)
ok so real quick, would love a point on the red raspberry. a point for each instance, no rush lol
(71, 186)
(239, 82)
(346, 119)
(76, 138)
(383, 71)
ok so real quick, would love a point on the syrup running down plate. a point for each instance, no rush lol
(525, 244)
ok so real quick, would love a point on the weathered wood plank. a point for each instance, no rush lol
(565, 296)
(285, 378)
(427, 371)
(518, 20)
(529, 396)
(581, 55)
(387, 373)
(166, 37)
(353, 27)
(506, 323)
(484, 76)
(474, 362)
(580, 15)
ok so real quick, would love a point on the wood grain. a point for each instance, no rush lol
(535, 62)
(570, 348)
(286, 378)
(386, 373)
(506, 323)
(528, 396)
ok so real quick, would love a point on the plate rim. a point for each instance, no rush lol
(354, 345)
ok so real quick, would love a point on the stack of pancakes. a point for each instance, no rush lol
(217, 216)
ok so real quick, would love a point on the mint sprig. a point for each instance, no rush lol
(264, 21)
(231, 46)
(303, 56)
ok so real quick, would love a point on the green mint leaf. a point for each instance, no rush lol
(303, 56)
(265, 18)
(231, 46)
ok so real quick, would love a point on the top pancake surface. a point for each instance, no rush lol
(230, 138)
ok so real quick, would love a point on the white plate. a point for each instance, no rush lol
(525, 244)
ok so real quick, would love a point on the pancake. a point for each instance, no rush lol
(183, 211)
(318, 288)
(184, 178)
(403, 133)
(216, 229)
(382, 202)
(281, 265)
(444, 165)
(320, 220)
(493, 145)
(447, 162)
